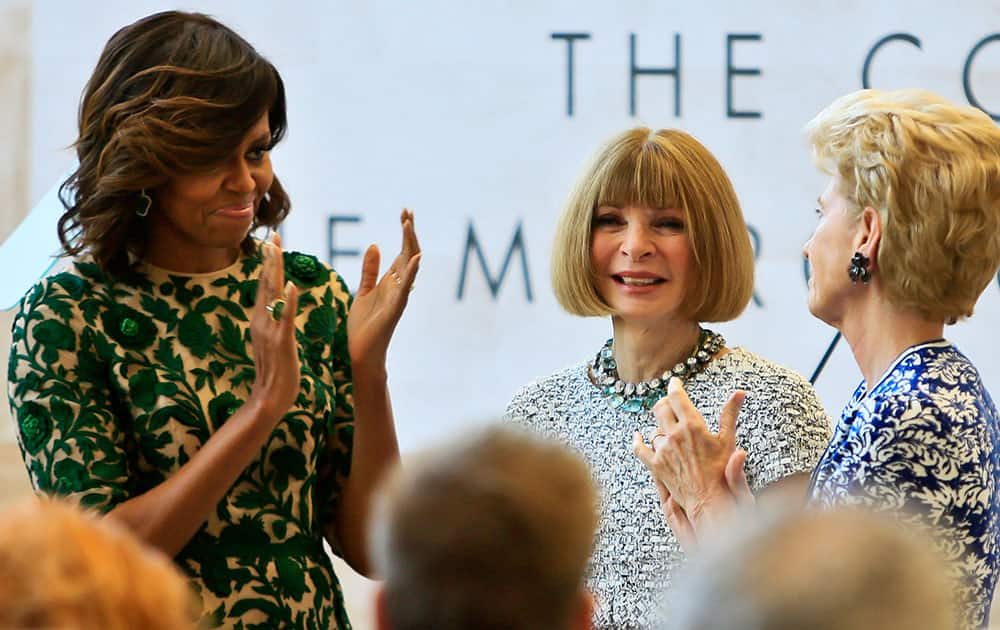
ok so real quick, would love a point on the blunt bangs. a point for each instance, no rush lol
(639, 174)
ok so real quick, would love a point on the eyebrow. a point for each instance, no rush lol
(262, 138)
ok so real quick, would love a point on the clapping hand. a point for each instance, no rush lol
(697, 473)
(272, 334)
(379, 304)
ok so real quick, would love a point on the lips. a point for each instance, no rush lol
(637, 279)
(638, 282)
(241, 211)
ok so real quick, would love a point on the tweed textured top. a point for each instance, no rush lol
(115, 384)
(924, 444)
(782, 426)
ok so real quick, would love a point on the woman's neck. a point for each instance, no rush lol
(204, 260)
(878, 333)
(644, 351)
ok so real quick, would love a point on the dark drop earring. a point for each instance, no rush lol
(859, 268)
(145, 203)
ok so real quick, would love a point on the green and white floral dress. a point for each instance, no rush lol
(116, 384)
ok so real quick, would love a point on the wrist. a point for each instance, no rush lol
(261, 409)
(369, 371)
(711, 509)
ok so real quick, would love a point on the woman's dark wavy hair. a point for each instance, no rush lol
(174, 93)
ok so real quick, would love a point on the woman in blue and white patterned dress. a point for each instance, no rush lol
(908, 239)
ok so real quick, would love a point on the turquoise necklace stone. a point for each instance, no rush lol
(640, 397)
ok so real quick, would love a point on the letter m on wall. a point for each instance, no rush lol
(516, 245)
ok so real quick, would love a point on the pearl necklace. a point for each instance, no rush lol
(638, 397)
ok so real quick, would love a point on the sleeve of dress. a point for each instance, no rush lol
(335, 460)
(517, 408)
(60, 399)
(912, 459)
(792, 430)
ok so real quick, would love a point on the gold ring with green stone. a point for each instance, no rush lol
(275, 308)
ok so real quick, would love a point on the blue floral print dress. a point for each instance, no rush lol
(924, 442)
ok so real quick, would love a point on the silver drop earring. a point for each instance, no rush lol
(146, 203)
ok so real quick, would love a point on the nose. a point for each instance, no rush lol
(637, 243)
(240, 176)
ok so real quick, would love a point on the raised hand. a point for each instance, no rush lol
(379, 304)
(272, 335)
(689, 460)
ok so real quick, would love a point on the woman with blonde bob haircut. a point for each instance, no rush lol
(653, 236)
(652, 167)
(908, 237)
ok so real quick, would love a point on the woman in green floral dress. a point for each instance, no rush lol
(223, 399)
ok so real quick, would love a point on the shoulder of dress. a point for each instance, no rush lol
(543, 387)
(776, 395)
(755, 370)
(70, 278)
(563, 376)
(919, 402)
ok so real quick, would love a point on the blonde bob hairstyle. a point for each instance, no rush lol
(931, 169)
(659, 169)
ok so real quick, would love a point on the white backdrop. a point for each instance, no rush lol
(459, 111)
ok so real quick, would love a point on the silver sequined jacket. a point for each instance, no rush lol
(782, 426)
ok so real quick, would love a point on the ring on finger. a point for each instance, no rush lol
(395, 276)
(275, 308)
(650, 434)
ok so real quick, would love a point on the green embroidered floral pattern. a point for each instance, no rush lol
(35, 427)
(115, 385)
(196, 334)
(322, 324)
(306, 270)
(128, 327)
(223, 406)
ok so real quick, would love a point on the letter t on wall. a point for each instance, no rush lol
(570, 38)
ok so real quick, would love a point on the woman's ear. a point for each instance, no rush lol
(869, 235)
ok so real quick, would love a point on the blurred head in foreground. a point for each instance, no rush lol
(493, 531)
(823, 570)
(63, 568)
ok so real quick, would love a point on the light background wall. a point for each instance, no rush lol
(459, 111)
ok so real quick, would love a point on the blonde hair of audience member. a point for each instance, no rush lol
(490, 532)
(920, 162)
(822, 570)
(63, 568)
(659, 169)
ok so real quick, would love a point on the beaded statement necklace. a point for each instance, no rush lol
(638, 397)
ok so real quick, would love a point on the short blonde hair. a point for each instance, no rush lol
(932, 171)
(63, 568)
(490, 532)
(660, 169)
